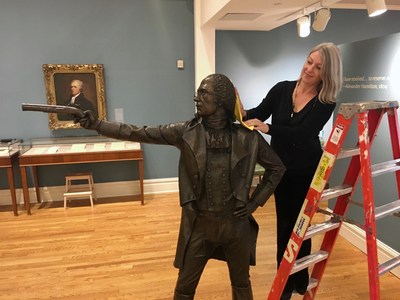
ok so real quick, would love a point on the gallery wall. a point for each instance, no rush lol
(372, 74)
(256, 60)
(138, 42)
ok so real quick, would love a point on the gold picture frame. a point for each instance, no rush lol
(60, 82)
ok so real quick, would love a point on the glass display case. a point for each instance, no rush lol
(9, 146)
(9, 150)
(70, 145)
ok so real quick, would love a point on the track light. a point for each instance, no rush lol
(321, 19)
(375, 7)
(303, 26)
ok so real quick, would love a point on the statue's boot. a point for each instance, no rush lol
(240, 293)
(178, 296)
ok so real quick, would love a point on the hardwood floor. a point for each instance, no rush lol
(122, 250)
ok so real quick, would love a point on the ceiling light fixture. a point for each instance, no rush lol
(375, 7)
(321, 19)
(303, 26)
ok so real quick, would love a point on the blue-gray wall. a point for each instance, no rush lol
(378, 58)
(255, 61)
(138, 42)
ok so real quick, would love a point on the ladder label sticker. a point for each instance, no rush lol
(337, 133)
(302, 222)
(290, 249)
(326, 162)
(300, 228)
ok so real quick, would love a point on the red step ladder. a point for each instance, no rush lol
(368, 115)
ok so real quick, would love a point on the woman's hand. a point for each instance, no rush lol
(258, 125)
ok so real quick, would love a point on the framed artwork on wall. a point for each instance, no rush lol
(81, 86)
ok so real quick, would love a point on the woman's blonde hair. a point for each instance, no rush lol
(331, 72)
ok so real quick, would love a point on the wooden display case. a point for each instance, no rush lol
(56, 151)
(9, 151)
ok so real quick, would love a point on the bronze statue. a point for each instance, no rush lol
(216, 169)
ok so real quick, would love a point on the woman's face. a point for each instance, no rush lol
(311, 72)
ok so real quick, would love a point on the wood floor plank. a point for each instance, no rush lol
(122, 250)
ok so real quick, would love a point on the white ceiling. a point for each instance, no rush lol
(269, 14)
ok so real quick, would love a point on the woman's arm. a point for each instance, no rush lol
(264, 110)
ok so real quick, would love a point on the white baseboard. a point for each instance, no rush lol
(356, 236)
(109, 189)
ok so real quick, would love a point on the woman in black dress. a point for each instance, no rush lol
(299, 110)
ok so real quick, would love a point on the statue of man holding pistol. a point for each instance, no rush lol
(216, 169)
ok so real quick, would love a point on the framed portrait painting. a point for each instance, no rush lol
(81, 86)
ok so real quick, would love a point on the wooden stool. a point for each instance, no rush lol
(81, 191)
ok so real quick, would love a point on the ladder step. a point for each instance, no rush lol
(336, 191)
(389, 265)
(348, 152)
(321, 228)
(348, 110)
(387, 209)
(385, 167)
(312, 283)
(309, 260)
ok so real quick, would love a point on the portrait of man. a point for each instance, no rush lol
(75, 91)
(80, 86)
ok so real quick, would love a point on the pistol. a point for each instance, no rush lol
(57, 109)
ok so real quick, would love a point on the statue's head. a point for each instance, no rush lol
(216, 90)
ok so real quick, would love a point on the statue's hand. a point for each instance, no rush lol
(247, 210)
(88, 120)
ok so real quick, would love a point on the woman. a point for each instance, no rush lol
(299, 110)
